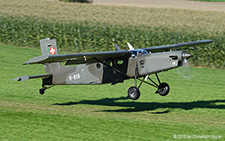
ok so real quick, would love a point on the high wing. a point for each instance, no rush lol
(172, 46)
(77, 58)
(93, 57)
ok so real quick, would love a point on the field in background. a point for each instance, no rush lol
(83, 30)
(174, 4)
(102, 112)
(202, 22)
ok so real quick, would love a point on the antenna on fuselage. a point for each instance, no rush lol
(117, 47)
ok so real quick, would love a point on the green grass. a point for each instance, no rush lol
(101, 112)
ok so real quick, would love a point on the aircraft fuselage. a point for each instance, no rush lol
(117, 70)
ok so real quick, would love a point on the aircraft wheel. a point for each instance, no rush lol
(133, 93)
(163, 89)
(42, 91)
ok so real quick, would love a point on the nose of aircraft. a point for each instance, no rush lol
(186, 55)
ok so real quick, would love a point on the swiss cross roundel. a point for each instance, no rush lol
(52, 50)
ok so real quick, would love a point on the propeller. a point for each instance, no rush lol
(185, 70)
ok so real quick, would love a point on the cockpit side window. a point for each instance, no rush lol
(136, 52)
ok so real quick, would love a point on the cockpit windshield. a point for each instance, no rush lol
(137, 52)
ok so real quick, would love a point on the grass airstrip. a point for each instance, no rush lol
(194, 108)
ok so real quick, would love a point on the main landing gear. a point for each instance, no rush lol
(162, 88)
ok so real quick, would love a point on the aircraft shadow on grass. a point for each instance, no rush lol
(148, 106)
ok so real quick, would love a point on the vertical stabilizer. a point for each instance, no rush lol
(48, 48)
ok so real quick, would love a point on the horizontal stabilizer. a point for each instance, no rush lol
(77, 58)
(24, 78)
(35, 59)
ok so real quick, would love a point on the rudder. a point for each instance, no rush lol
(49, 48)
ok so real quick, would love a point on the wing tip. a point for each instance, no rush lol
(36, 60)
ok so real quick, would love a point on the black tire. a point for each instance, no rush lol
(133, 93)
(42, 91)
(163, 89)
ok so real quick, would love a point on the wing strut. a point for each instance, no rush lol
(111, 67)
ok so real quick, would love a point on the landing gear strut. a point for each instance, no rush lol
(134, 92)
(162, 88)
(42, 90)
(46, 81)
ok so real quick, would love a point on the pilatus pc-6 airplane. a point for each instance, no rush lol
(110, 66)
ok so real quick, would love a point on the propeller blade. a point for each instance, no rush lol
(185, 70)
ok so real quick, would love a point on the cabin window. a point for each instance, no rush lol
(137, 52)
(120, 62)
(98, 65)
(111, 64)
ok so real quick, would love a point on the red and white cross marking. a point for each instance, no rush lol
(52, 50)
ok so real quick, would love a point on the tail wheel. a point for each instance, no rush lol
(163, 89)
(42, 91)
(133, 93)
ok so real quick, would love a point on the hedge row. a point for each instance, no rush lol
(90, 37)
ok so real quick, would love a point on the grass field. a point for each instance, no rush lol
(194, 107)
